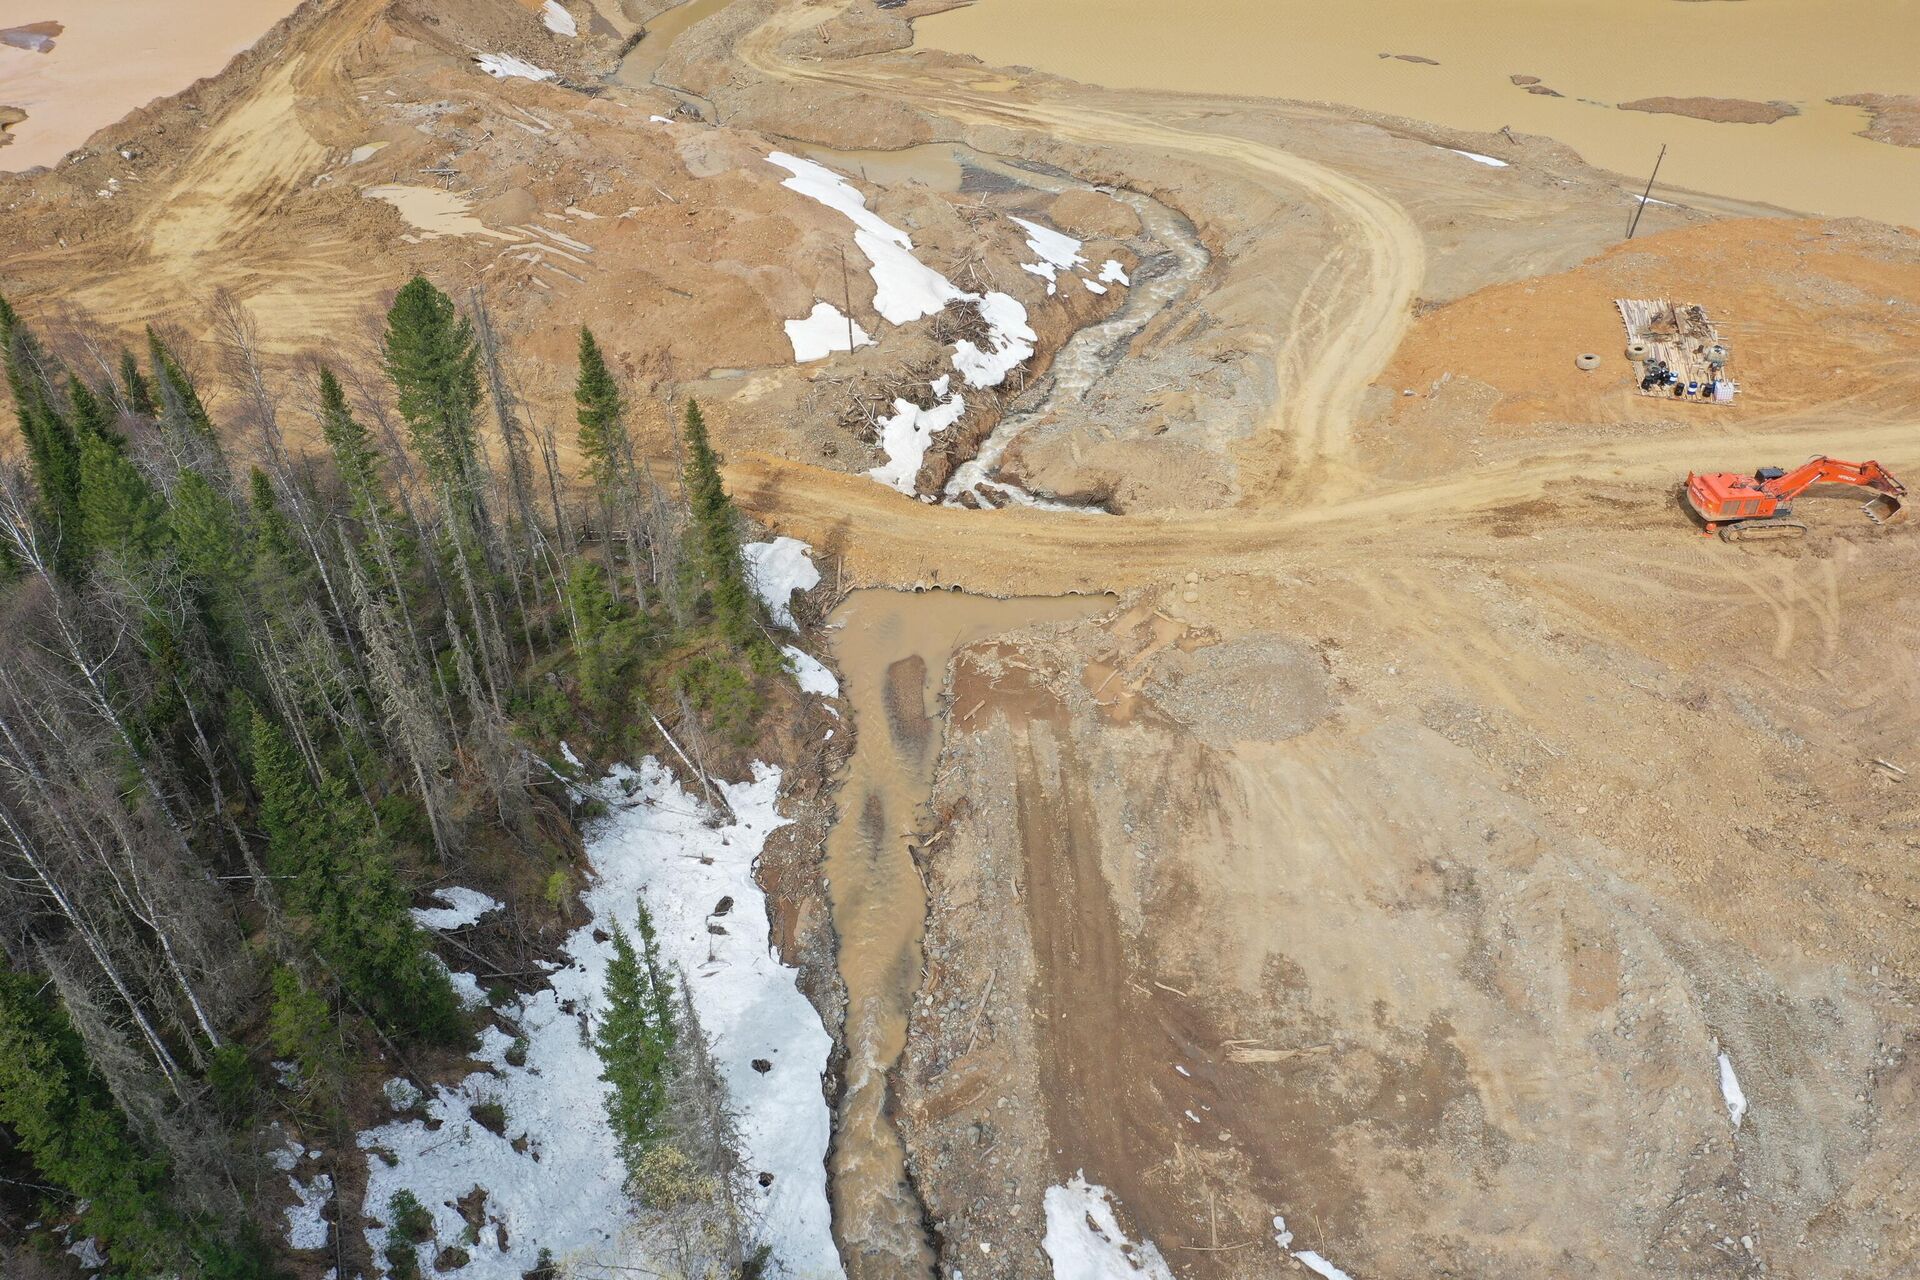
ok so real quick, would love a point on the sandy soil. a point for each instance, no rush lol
(1432, 806)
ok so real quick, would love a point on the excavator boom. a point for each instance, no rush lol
(1824, 470)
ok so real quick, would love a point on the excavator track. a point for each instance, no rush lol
(1763, 531)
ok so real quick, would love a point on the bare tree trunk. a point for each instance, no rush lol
(84, 928)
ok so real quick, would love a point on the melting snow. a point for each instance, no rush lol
(823, 332)
(905, 290)
(1113, 273)
(813, 677)
(1307, 1257)
(558, 20)
(1058, 252)
(1477, 158)
(463, 907)
(1012, 342)
(87, 1253)
(307, 1218)
(1093, 287)
(504, 66)
(563, 1192)
(776, 570)
(1320, 1266)
(905, 435)
(1085, 1242)
(1730, 1090)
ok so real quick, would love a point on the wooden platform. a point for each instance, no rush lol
(1679, 335)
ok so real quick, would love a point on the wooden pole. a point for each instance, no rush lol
(846, 296)
(1642, 208)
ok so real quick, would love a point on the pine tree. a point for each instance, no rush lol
(716, 556)
(434, 364)
(635, 1042)
(136, 388)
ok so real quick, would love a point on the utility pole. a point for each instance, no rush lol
(846, 295)
(1642, 207)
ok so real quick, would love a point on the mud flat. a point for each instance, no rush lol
(110, 58)
(893, 649)
(1594, 54)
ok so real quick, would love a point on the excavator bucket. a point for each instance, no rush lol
(1884, 508)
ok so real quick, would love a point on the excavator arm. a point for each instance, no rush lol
(1825, 470)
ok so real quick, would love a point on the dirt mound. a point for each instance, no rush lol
(1255, 688)
(1716, 110)
(1896, 117)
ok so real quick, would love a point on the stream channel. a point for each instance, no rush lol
(893, 649)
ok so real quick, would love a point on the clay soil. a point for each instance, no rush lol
(1432, 805)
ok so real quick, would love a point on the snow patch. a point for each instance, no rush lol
(813, 677)
(463, 907)
(1011, 342)
(88, 1254)
(1111, 272)
(1730, 1090)
(564, 1192)
(1085, 1242)
(823, 332)
(557, 20)
(1092, 286)
(1306, 1257)
(504, 66)
(776, 570)
(1058, 252)
(307, 1217)
(1477, 158)
(905, 290)
(909, 430)
(1320, 1266)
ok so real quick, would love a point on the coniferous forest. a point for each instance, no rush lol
(263, 679)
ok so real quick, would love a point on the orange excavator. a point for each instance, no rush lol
(1742, 508)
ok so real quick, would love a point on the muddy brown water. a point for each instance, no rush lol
(893, 649)
(110, 57)
(645, 58)
(1594, 52)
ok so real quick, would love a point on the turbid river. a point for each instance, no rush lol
(1595, 52)
(110, 57)
(893, 648)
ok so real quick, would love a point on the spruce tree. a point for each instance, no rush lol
(603, 430)
(635, 1042)
(52, 447)
(340, 884)
(716, 556)
(208, 539)
(178, 398)
(136, 388)
(433, 362)
(119, 511)
(64, 1119)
